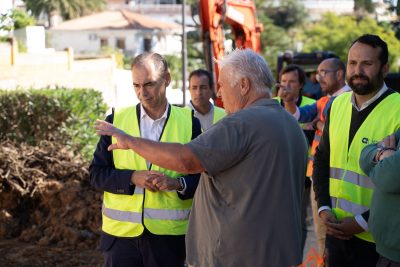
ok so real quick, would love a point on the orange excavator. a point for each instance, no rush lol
(240, 15)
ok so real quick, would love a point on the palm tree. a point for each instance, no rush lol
(67, 9)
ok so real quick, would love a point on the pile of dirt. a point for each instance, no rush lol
(46, 198)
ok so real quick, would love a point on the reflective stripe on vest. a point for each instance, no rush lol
(321, 104)
(136, 217)
(162, 213)
(347, 205)
(350, 189)
(351, 177)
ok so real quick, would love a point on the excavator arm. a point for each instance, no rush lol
(240, 15)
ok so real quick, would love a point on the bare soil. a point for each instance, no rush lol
(49, 213)
(21, 254)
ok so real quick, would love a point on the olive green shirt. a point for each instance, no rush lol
(246, 210)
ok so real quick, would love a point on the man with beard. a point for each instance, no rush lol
(355, 119)
(331, 76)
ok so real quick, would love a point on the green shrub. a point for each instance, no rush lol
(63, 115)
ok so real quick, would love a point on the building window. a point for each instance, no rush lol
(103, 42)
(147, 44)
(121, 43)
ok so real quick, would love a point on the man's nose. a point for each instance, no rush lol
(358, 69)
(141, 89)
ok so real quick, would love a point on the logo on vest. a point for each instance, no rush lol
(366, 141)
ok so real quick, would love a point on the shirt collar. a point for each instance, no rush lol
(344, 89)
(144, 115)
(370, 101)
(190, 105)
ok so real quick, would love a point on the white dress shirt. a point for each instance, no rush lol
(207, 119)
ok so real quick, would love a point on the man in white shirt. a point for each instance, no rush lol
(145, 207)
(201, 91)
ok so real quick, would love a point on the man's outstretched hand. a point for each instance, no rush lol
(123, 139)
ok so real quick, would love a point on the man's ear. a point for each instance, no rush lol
(167, 78)
(244, 86)
(385, 69)
(340, 74)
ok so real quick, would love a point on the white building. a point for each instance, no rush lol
(318, 7)
(130, 32)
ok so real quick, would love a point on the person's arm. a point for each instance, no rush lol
(103, 174)
(320, 174)
(191, 180)
(382, 171)
(172, 156)
(308, 113)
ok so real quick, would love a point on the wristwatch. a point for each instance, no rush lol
(182, 184)
(380, 151)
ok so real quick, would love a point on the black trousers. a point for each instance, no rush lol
(147, 250)
(349, 253)
(385, 262)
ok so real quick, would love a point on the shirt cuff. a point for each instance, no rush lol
(324, 208)
(182, 192)
(296, 115)
(361, 221)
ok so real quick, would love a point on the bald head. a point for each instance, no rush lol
(331, 75)
(157, 61)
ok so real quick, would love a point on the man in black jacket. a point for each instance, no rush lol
(342, 190)
(145, 207)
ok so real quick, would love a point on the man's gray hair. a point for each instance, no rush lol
(247, 63)
(146, 57)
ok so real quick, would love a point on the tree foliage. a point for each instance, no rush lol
(289, 14)
(364, 5)
(16, 19)
(336, 33)
(67, 9)
(274, 40)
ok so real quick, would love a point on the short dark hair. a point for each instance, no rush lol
(203, 72)
(375, 41)
(300, 72)
(158, 60)
(338, 64)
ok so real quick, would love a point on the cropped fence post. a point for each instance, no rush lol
(70, 55)
(14, 50)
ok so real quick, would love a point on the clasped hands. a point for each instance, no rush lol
(154, 181)
(344, 229)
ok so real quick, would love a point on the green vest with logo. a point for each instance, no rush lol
(162, 213)
(349, 187)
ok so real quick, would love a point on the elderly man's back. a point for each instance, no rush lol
(246, 211)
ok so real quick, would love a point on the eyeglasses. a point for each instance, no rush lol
(322, 73)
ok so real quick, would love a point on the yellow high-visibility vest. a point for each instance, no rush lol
(162, 213)
(219, 113)
(350, 188)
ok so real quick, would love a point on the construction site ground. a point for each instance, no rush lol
(50, 215)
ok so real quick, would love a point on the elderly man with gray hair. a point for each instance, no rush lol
(246, 210)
